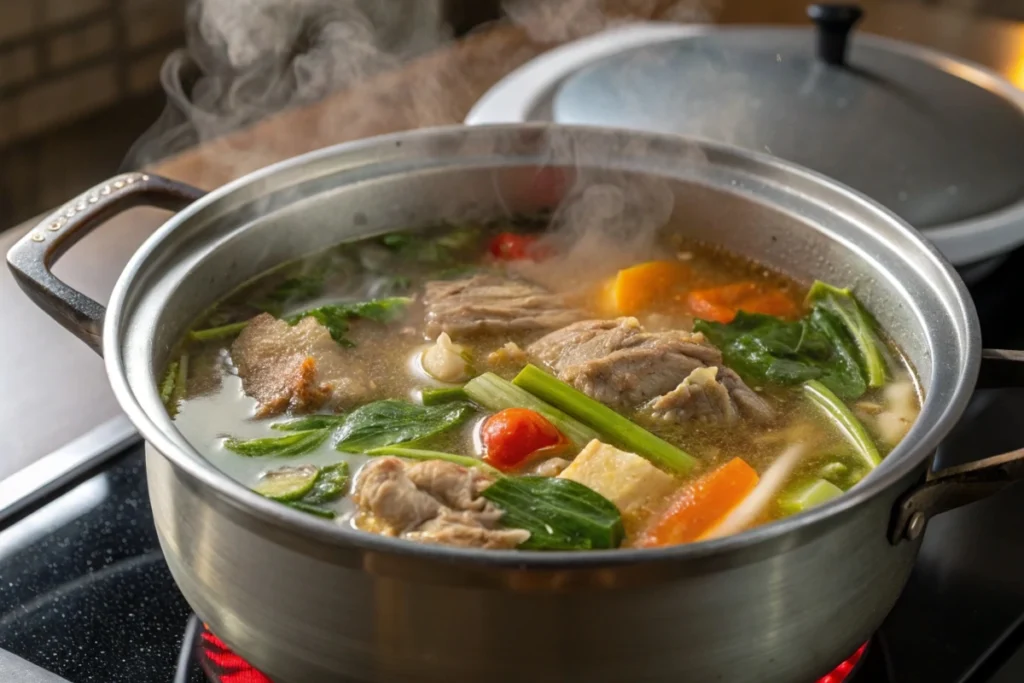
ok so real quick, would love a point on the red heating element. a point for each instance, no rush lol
(223, 666)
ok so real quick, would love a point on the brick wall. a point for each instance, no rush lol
(61, 60)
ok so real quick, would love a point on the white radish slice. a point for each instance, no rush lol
(767, 489)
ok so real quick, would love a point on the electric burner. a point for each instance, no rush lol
(85, 595)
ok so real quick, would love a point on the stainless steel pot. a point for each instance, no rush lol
(307, 600)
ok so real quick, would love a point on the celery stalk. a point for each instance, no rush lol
(617, 428)
(816, 492)
(495, 393)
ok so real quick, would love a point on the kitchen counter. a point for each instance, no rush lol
(56, 388)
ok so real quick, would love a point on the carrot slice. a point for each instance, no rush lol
(700, 505)
(638, 288)
(721, 304)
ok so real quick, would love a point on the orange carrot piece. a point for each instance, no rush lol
(721, 304)
(638, 288)
(700, 505)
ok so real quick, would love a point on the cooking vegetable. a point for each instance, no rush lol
(560, 514)
(858, 324)
(509, 246)
(214, 333)
(494, 393)
(336, 317)
(638, 288)
(753, 506)
(767, 349)
(389, 422)
(175, 384)
(167, 385)
(302, 287)
(701, 504)
(439, 249)
(843, 418)
(721, 304)
(302, 424)
(807, 495)
(635, 485)
(419, 454)
(447, 361)
(306, 487)
(288, 483)
(296, 443)
(617, 428)
(512, 435)
(434, 397)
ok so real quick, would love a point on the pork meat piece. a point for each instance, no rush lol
(698, 397)
(490, 304)
(620, 364)
(431, 502)
(297, 367)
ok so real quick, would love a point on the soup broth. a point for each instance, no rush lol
(447, 386)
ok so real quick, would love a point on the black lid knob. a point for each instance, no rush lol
(834, 23)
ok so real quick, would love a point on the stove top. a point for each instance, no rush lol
(85, 594)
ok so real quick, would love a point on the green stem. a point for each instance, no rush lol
(433, 397)
(848, 424)
(495, 393)
(420, 454)
(605, 420)
(217, 332)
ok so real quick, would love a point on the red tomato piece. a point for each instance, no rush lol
(513, 435)
(509, 246)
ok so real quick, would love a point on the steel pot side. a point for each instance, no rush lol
(241, 560)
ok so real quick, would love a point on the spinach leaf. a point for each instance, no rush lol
(560, 514)
(296, 443)
(309, 422)
(388, 422)
(336, 317)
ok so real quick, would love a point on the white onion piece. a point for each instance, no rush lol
(446, 361)
(767, 489)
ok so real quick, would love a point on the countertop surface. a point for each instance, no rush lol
(56, 388)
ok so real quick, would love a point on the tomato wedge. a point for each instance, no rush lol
(512, 436)
(510, 246)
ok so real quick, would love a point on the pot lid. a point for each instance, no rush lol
(933, 141)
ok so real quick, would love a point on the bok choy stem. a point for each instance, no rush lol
(848, 424)
(598, 416)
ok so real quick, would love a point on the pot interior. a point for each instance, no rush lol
(779, 215)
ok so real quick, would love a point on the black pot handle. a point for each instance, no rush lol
(953, 487)
(31, 259)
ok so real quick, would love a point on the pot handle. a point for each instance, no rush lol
(953, 487)
(31, 259)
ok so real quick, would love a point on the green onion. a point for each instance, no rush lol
(848, 424)
(617, 428)
(495, 393)
(218, 332)
(420, 454)
(808, 495)
(296, 443)
(433, 397)
(288, 483)
(560, 514)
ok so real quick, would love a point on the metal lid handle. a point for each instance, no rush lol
(834, 24)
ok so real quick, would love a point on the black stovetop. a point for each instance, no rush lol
(85, 593)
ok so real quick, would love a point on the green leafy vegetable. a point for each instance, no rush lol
(329, 485)
(301, 287)
(389, 422)
(326, 513)
(288, 483)
(822, 346)
(167, 385)
(618, 429)
(336, 317)
(175, 384)
(434, 397)
(432, 248)
(310, 422)
(296, 443)
(858, 325)
(420, 454)
(560, 514)
(808, 495)
(494, 393)
(221, 332)
(845, 420)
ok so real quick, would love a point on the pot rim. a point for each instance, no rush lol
(902, 461)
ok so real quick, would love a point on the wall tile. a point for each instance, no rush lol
(65, 99)
(80, 44)
(147, 24)
(17, 65)
(144, 73)
(16, 19)
(60, 11)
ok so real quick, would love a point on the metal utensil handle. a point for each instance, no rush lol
(954, 487)
(31, 259)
